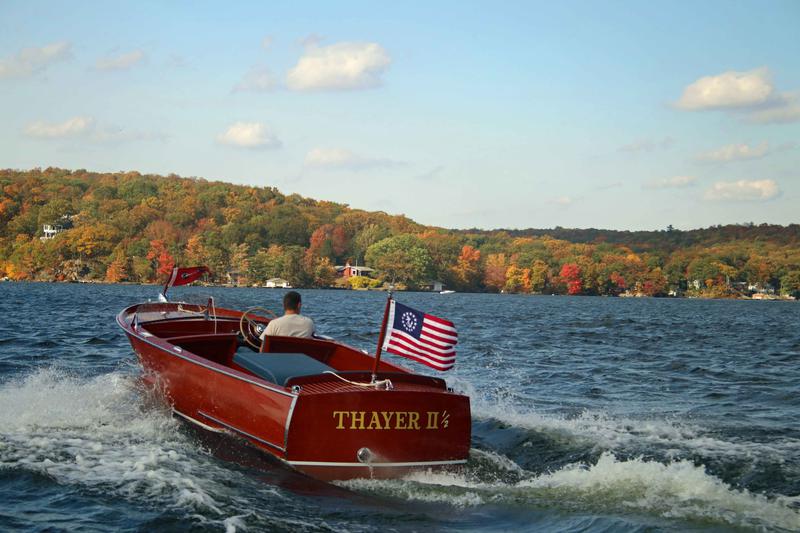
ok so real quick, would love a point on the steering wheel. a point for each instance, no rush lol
(252, 330)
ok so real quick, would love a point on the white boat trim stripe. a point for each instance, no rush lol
(195, 421)
(288, 423)
(241, 431)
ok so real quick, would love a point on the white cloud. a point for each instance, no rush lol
(266, 42)
(342, 159)
(786, 109)
(750, 93)
(120, 62)
(675, 182)
(257, 79)
(729, 90)
(74, 127)
(29, 61)
(563, 201)
(311, 40)
(734, 152)
(743, 190)
(87, 129)
(647, 145)
(249, 135)
(339, 66)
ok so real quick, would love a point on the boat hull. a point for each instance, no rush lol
(379, 434)
(320, 425)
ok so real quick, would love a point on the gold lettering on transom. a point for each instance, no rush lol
(398, 420)
(357, 419)
(374, 421)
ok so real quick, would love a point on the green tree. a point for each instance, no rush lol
(790, 283)
(540, 276)
(516, 279)
(403, 258)
(267, 263)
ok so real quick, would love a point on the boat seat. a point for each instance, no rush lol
(280, 367)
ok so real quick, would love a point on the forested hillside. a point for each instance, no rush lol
(133, 227)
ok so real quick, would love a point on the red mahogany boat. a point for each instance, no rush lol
(313, 402)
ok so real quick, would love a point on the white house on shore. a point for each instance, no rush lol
(277, 283)
(50, 231)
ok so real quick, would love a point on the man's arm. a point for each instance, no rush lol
(270, 330)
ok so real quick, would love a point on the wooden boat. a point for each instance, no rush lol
(312, 402)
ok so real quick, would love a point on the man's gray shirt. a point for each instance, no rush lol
(290, 326)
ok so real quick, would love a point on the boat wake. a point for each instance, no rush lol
(609, 464)
(103, 435)
(106, 441)
(677, 489)
(667, 437)
(99, 433)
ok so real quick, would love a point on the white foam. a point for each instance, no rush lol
(429, 488)
(676, 489)
(234, 524)
(603, 431)
(501, 462)
(95, 432)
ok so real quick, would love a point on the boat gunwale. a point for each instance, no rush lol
(191, 357)
(164, 345)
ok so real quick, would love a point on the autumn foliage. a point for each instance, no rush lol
(164, 262)
(571, 276)
(132, 227)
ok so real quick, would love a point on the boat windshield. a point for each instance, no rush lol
(151, 312)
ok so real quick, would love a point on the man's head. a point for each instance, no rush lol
(292, 302)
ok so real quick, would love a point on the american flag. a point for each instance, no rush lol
(425, 338)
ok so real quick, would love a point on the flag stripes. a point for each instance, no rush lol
(425, 338)
(421, 359)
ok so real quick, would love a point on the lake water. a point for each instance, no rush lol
(593, 414)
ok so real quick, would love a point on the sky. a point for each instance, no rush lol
(612, 115)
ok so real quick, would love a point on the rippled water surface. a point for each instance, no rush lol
(593, 414)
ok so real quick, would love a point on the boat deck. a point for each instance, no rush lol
(335, 385)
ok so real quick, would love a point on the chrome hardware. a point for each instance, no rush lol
(364, 455)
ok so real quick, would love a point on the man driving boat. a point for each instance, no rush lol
(292, 323)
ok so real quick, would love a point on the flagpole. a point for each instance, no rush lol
(381, 337)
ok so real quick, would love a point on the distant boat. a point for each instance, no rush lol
(447, 292)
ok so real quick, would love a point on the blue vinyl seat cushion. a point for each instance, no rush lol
(280, 367)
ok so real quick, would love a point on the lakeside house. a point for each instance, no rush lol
(761, 288)
(347, 270)
(49, 231)
(434, 285)
(277, 283)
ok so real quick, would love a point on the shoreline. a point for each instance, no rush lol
(765, 297)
